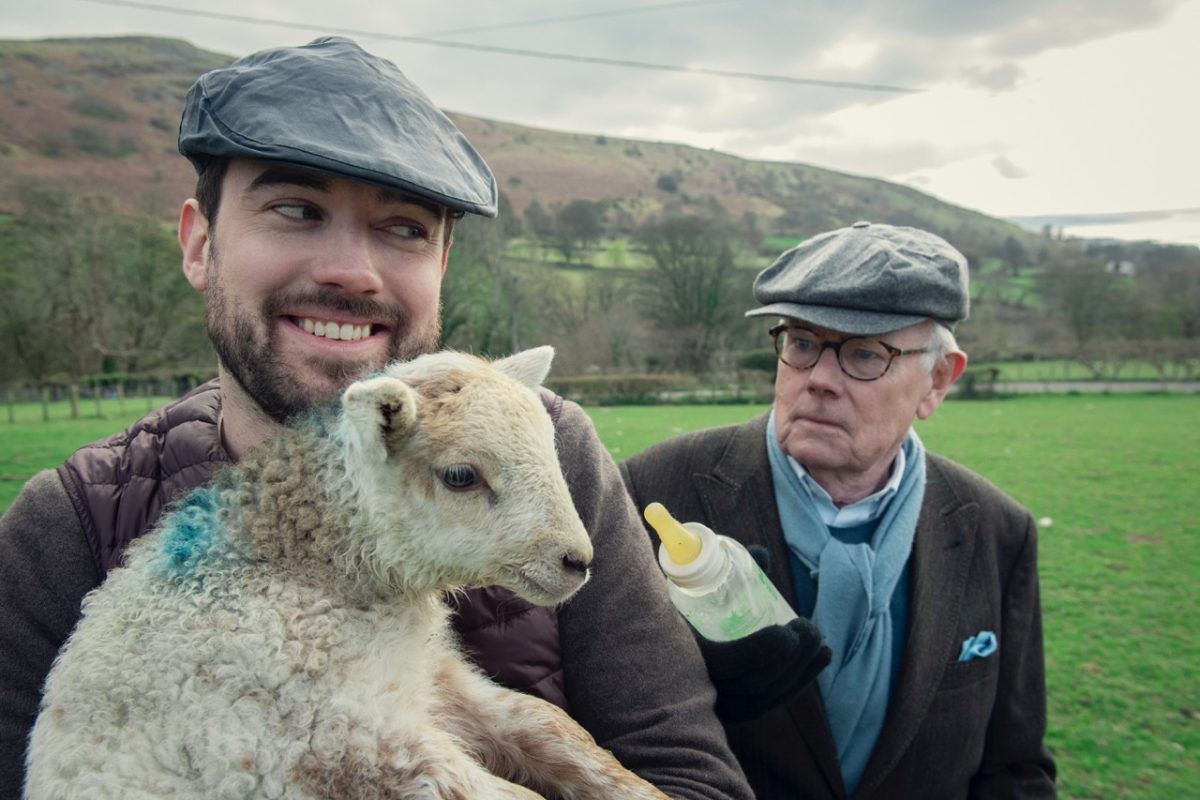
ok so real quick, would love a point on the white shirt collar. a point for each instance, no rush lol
(865, 510)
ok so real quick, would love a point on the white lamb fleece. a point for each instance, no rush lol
(281, 633)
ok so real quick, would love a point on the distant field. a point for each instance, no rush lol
(1114, 475)
(30, 444)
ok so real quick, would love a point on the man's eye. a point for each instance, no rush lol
(461, 477)
(406, 230)
(865, 355)
(802, 344)
(297, 211)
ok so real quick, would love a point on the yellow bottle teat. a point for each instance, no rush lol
(682, 545)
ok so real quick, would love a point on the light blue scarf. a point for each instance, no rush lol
(854, 591)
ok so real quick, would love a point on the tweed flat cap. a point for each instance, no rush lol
(866, 279)
(333, 107)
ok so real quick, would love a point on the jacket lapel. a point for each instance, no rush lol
(739, 501)
(940, 562)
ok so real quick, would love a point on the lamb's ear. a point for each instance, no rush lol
(530, 367)
(380, 413)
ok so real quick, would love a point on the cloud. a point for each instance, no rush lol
(1007, 169)
(1001, 77)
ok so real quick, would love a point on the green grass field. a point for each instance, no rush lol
(1116, 477)
(28, 444)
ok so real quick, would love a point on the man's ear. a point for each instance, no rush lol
(944, 375)
(193, 242)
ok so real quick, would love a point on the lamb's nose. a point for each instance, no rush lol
(579, 566)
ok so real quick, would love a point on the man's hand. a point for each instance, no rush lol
(758, 672)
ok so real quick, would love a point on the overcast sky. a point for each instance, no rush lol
(1010, 107)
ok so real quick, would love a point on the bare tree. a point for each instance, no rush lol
(107, 287)
(64, 240)
(539, 221)
(152, 317)
(30, 353)
(598, 328)
(481, 293)
(1084, 295)
(577, 225)
(1014, 255)
(689, 291)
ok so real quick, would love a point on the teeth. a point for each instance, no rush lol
(332, 330)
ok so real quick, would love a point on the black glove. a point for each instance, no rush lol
(758, 672)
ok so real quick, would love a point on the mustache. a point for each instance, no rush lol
(394, 316)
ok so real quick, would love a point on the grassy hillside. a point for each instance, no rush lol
(645, 178)
(103, 114)
(98, 114)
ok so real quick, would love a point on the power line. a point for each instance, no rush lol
(615, 62)
(616, 12)
(510, 51)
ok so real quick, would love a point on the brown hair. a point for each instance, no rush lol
(208, 188)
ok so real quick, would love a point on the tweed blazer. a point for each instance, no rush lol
(954, 729)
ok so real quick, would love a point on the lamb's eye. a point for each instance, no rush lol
(461, 477)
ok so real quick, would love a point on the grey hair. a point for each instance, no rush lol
(941, 341)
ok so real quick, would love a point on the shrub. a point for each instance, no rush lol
(623, 389)
(760, 360)
(99, 108)
(53, 145)
(96, 141)
(977, 383)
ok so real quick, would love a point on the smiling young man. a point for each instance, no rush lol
(321, 228)
(920, 575)
(308, 280)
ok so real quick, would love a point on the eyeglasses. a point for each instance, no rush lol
(860, 357)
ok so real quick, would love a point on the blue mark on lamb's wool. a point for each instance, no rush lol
(189, 532)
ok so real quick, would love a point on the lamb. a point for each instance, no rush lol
(282, 632)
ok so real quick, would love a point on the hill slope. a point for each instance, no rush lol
(102, 114)
(98, 115)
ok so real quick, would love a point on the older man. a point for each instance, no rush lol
(319, 234)
(920, 575)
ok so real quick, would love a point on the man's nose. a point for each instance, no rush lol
(827, 371)
(347, 262)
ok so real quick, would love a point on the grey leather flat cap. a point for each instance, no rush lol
(333, 107)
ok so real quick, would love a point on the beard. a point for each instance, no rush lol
(248, 345)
